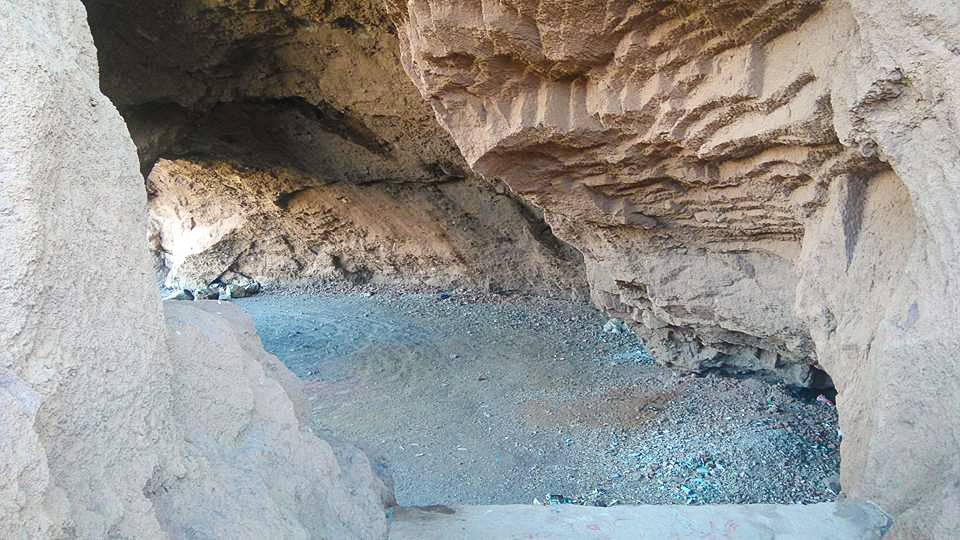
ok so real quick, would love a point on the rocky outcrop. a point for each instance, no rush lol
(759, 184)
(297, 149)
(879, 268)
(251, 465)
(111, 425)
(765, 185)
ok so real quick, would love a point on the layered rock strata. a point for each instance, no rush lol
(763, 184)
(680, 147)
(297, 149)
(117, 420)
(214, 221)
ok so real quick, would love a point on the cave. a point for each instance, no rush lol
(295, 184)
(480, 269)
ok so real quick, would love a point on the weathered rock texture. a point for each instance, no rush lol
(824, 521)
(301, 150)
(252, 467)
(215, 221)
(112, 425)
(759, 184)
(679, 147)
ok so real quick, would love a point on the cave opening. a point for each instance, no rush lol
(414, 201)
(438, 319)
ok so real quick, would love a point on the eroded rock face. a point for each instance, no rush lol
(759, 184)
(214, 221)
(768, 185)
(678, 146)
(884, 315)
(252, 467)
(271, 116)
(84, 373)
(111, 425)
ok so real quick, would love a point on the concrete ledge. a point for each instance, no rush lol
(833, 521)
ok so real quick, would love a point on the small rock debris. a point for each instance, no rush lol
(544, 399)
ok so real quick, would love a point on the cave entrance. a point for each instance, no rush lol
(436, 319)
(477, 385)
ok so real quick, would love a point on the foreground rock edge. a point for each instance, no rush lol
(824, 521)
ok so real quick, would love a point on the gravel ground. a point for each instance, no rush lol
(470, 398)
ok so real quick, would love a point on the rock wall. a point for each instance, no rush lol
(274, 113)
(679, 147)
(110, 423)
(213, 221)
(884, 316)
(758, 184)
(84, 371)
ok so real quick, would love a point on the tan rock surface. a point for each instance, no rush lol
(276, 114)
(765, 184)
(682, 172)
(215, 220)
(86, 369)
(893, 300)
(104, 431)
(252, 467)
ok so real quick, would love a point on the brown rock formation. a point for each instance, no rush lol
(277, 113)
(767, 184)
(213, 219)
(679, 147)
(117, 420)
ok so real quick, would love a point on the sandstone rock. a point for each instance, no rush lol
(24, 476)
(298, 150)
(683, 175)
(239, 291)
(182, 294)
(766, 186)
(253, 466)
(105, 432)
(236, 290)
(615, 326)
(206, 293)
(212, 220)
(756, 185)
(72, 207)
(824, 521)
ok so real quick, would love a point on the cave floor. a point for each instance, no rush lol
(480, 399)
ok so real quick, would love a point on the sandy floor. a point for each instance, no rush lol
(486, 400)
